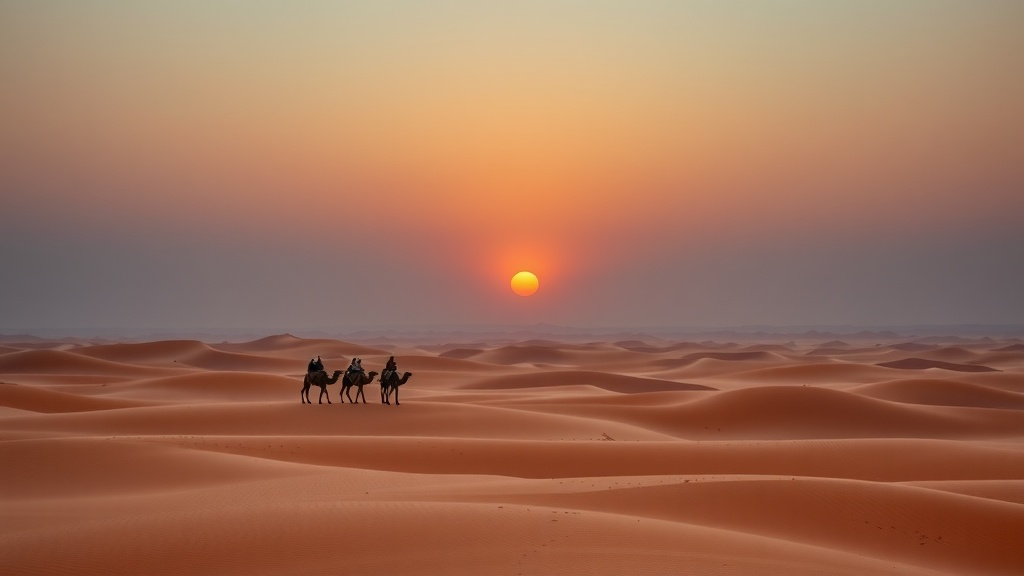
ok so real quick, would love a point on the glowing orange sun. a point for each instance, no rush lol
(524, 283)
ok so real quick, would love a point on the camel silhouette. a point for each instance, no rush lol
(318, 379)
(357, 379)
(391, 384)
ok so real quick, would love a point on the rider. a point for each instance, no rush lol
(389, 368)
(356, 367)
(315, 365)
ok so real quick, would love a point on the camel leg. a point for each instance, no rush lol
(396, 396)
(360, 393)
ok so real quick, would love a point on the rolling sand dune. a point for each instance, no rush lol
(146, 353)
(757, 355)
(638, 346)
(912, 347)
(943, 393)
(187, 353)
(288, 346)
(1001, 359)
(951, 354)
(182, 457)
(818, 372)
(828, 351)
(925, 364)
(460, 353)
(1011, 348)
(64, 362)
(209, 387)
(611, 382)
(555, 355)
(36, 399)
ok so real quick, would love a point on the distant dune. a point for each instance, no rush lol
(924, 364)
(611, 382)
(912, 346)
(1011, 348)
(460, 353)
(537, 457)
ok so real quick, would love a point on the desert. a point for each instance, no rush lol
(527, 457)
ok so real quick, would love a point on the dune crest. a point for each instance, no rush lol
(925, 364)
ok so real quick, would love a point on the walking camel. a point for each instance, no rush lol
(391, 383)
(357, 379)
(318, 379)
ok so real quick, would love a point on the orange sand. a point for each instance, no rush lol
(182, 457)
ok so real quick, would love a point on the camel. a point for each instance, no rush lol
(318, 379)
(392, 384)
(355, 379)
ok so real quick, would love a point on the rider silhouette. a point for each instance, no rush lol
(389, 368)
(315, 365)
(356, 366)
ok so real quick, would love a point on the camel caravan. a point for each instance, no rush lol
(353, 376)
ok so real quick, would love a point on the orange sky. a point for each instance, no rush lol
(618, 150)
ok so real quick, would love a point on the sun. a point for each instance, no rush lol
(524, 283)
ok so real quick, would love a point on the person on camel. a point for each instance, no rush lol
(356, 367)
(389, 368)
(315, 365)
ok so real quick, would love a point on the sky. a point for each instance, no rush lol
(183, 165)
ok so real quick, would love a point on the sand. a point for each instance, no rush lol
(183, 457)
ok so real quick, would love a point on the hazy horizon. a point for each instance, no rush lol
(449, 334)
(172, 165)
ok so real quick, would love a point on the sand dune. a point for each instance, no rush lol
(807, 412)
(758, 355)
(460, 353)
(64, 362)
(555, 355)
(925, 364)
(637, 346)
(830, 351)
(611, 382)
(912, 346)
(294, 347)
(818, 372)
(36, 399)
(1011, 348)
(145, 353)
(210, 387)
(943, 393)
(537, 457)
(951, 354)
(856, 516)
(834, 344)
